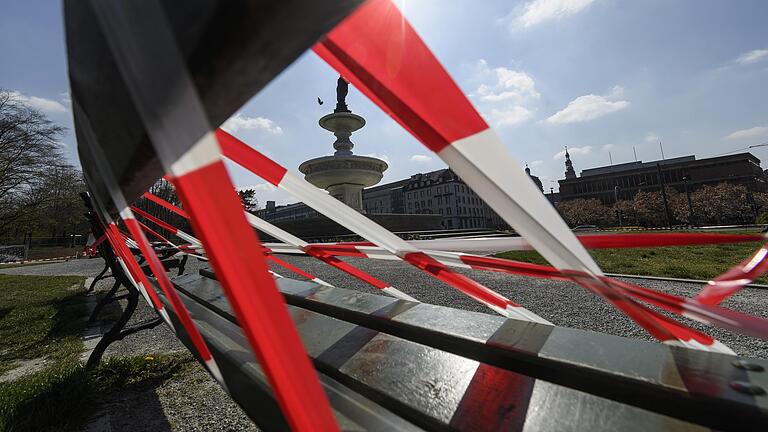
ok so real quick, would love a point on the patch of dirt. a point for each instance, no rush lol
(193, 401)
(25, 367)
(190, 401)
(129, 411)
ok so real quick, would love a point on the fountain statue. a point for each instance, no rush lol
(344, 174)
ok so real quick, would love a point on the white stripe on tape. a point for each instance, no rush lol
(204, 152)
(482, 161)
(346, 216)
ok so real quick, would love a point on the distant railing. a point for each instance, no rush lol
(13, 253)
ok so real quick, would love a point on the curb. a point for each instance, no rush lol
(696, 281)
(62, 258)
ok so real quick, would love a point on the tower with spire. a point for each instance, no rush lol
(569, 172)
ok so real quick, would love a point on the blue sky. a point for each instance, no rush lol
(596, 75)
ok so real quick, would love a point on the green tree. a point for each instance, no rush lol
(248, 198)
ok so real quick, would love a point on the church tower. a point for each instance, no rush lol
(569, 172)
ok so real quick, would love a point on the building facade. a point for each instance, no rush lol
(440, 192)
(384, 199)
(443, 192)
(622, 181)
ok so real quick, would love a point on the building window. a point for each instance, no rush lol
(429, 202)
(422, 194)
(448, 210)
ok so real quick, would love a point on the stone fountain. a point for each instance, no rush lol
(344, 174)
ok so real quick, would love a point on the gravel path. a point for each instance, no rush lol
(193, 401)
(563, 303)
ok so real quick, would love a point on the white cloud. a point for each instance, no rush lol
(652, 137)
(752, 57)
(579, 151)
(512, 116)
(503, 94)
(240, 122)
(504, 84)
(383, 157)
(589, 107)
(539, 11)
(754, 132)
(42, 104)
(418, 158)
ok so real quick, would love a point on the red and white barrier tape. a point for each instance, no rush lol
(66, 257)
(170, 293)
(207, 194)
(735, 279)
(379, 52)
(272, 172)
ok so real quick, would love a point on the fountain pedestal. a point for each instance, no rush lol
(344, 174)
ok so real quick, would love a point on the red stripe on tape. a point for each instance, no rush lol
(235, 254)
(170, 292)
(249, 158)
(155, 220)
(152, 232)
(378, 51)
(157, 200)
(348, 268)
(735, 279)
(118, 246)
(456, 280)
(289, 266)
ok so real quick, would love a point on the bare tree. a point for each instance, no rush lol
(28, 151)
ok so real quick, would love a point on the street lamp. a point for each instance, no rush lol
(686, 177)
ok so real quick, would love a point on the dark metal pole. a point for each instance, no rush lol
(688, 197)
(616, 203)
(667, 216)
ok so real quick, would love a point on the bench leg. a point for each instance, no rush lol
(98, 278)
(114, 333)
(103, 302)
(183, 264)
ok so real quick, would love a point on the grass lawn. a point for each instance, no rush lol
(41, 317)
(688, 262)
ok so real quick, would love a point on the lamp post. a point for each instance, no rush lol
(688, 197)
(664, 197)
